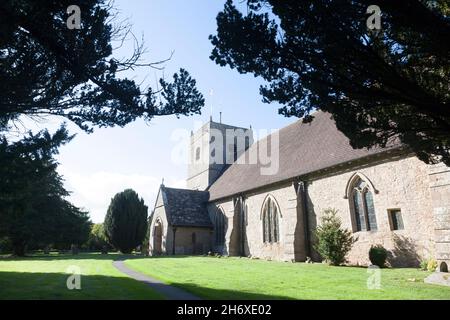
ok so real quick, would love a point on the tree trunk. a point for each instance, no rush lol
(19, 249)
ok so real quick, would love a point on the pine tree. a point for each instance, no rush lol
(126, 221)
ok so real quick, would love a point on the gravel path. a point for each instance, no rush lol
(171, 293)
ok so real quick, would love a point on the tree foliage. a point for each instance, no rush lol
(379, 85)
(48, 69)
(97, 239)
(126, 221)
(333, 242)
(33, 209)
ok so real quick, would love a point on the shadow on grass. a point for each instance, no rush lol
(53, 286)
(221, 294)
(68, 256)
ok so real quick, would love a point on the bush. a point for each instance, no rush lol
(97, 239)
(424, 265)
(432, 265)
(333, 242)
(378, 255)
(126, 221)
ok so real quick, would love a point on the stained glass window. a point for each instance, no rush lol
(363, 207)
(270, 222)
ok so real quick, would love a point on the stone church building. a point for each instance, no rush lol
(232, 207)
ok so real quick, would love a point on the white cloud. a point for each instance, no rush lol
(93, 192)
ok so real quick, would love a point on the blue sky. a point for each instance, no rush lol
(98, 165)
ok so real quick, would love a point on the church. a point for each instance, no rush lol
(264, 199)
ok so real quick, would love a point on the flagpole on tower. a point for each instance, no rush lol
(211, 94)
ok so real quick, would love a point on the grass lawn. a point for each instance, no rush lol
(234, 278)
(45, 277)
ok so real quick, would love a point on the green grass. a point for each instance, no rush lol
(234, 278)
(45, 277)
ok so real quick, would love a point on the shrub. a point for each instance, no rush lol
(378, 255)
(432, 265)
(424, 265)
(126, 221)
(333, 242)
(97, 238)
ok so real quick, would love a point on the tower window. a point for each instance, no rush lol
(235, 150)
(197, 154)
(396, 220)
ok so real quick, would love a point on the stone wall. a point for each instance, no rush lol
(440, 194)
(184, 242)
(289, 246)
(402, 184)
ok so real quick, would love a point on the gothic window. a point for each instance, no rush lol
(197, 154)
(219, 228)
(270, 221)
(362, 206)
(235, 149)
(247, 142)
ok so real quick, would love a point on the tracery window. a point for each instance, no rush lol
(362, 206)
(270, 217)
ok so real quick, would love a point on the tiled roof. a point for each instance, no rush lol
(303, 149)
(186, 208)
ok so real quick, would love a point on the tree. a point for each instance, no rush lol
(97, 239)
(48, 69)
(333, 242)
(73, 226)
(379, 85)
(32, 204)
(126, 221)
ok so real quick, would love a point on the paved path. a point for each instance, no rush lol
(171, 293)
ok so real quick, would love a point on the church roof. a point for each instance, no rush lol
(303, 149)
(186, 208)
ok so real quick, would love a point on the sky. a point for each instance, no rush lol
(96, 166)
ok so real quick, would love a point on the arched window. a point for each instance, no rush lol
(270, 216)
(197, 154)
(361, 204)
(247, 142)
(219, 228)
(235, 149)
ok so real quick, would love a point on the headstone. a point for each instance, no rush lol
(74, 249)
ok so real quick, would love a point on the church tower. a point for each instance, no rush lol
(212, 149)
